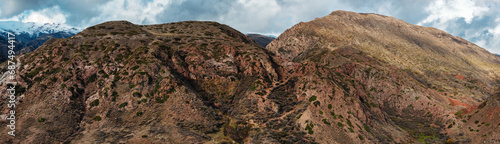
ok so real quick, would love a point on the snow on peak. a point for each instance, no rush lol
(34, 29)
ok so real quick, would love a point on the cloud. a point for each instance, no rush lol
(47, 15)
(477, 21)
(443, 11)
(136, 11)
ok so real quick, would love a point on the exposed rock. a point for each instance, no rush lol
(343, 78)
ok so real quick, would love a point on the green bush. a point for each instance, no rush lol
(139, 113)
(94, 103)
(309, 128)
(135, 67)
(350, 129)
(367, 128)
(92, 78)
(312, 98)
(317, 103)
(115, 95)
(123, 105)
(349, 123)
(96, 118)
(326, 122)
(340, 124)
(41, 119)
(137, 94)
(63, 85)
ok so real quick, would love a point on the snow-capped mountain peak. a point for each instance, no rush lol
(35, 29)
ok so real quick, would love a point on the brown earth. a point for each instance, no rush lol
(343, 78)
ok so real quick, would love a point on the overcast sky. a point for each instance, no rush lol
(475, 20)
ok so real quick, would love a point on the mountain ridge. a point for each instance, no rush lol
(29, 36)
(205, 82)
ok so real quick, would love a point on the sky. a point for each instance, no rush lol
(475, 20)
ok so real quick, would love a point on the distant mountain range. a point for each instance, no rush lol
(30, 35)
(262, 40)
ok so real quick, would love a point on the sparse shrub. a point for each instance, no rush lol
(317, 103)
(309, 128)
(92, 78)
(171, 90)
(349, 123)
(137, 94)
(118, 57)
(135, 67)
(117, 78)
(312, 98)
(161, 100)
(326, 122)
(367, 128)
(94, 103)
(459, 114)
(38, 79)
(123, 105)
(144, 136)
(350, 129)
(139, 113)
(114, 96)
(97, 118)
(330, 106)
(41, 120)
(340, 124)
(360, 137)
(131, 86)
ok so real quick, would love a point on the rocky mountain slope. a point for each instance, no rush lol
(331, 80)
(262, 40)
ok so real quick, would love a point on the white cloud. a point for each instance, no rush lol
(473, 20)
(47, 15)
(251, 15)
(444, 11)
(135, 11)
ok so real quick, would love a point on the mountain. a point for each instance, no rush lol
(342, 78)
(30, 35)
(262, 40)
(417, 76)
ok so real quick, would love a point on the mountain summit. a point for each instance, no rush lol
(342, 78)
(34, 29)
(30, 35)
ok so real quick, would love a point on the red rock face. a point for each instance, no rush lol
(203, 82)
